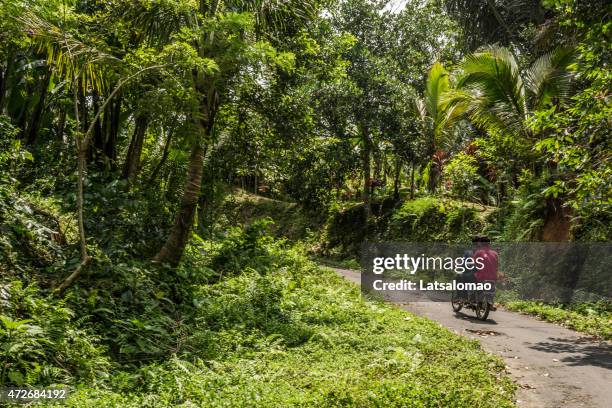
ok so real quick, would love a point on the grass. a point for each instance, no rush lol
(244, 321)
(290, 219)
(347, 263)
(581, 317)
(299, 335)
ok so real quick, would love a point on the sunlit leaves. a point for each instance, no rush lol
(71, 58)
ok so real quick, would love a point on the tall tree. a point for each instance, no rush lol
(500, 99)
(220, 39)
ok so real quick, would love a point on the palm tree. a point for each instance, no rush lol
(500, 98)
(83, 68)
(436, 115)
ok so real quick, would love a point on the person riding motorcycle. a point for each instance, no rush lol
(489, 258)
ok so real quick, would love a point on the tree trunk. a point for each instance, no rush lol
(173, 249)
(4, 83)
(110, 145)
(83, 111)
(396, 178)
(22, 119)
(433, 177)
(97, 147)
(38, 109)
(61, 123)
(557, 222)
(132, 161)
(365, 164)
(412, 182)
(163, 158)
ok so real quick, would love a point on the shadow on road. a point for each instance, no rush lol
(474, 319)
(585, 352)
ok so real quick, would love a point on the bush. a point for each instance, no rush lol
(301, 336)
(429, 219)
(42, 344)
(461, 175)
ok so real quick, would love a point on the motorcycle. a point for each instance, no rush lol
(480, 301)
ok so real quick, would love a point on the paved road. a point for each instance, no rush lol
(553, 366)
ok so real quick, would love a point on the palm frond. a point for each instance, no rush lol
(71, 58)
(437, 85)
(155, 22)
(549, 77)
(496, 91)
(274, 16)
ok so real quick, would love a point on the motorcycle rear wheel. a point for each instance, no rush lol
(482, 310)
(455, 302)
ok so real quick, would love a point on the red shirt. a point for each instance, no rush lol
(489, 260)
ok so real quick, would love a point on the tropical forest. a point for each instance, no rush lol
(187, 186)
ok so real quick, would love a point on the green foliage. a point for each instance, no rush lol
(589, 318)
(461, 173)
(346, 228)
(428, 219)
(291, 220)
(523, 218)
(243, 249)
(303, 100)
(173, 337)
(577, 135)
(332, 347)
(12, 154)
(43, 344)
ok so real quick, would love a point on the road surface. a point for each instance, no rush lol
(553, 366)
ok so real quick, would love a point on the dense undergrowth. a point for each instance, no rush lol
(246, 320)
(338, 236)
(427, 219)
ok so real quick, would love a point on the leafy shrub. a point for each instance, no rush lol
(301, 336)
(41, 342)
(346, 228)
(523, 218)
(243, 248)
(461, 175)
(427, 219)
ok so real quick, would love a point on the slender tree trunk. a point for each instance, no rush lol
(97, 147)
(82, 149)
(83, 111)
(433, 177)
(163, 158)
(396, 178)
(5, 82)
(365, 164)
(412, 182)
(132, 161)
(110, 145)
(37, 112)
(83, 139)
(173, 249)
(22, 119)
(61, 123)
